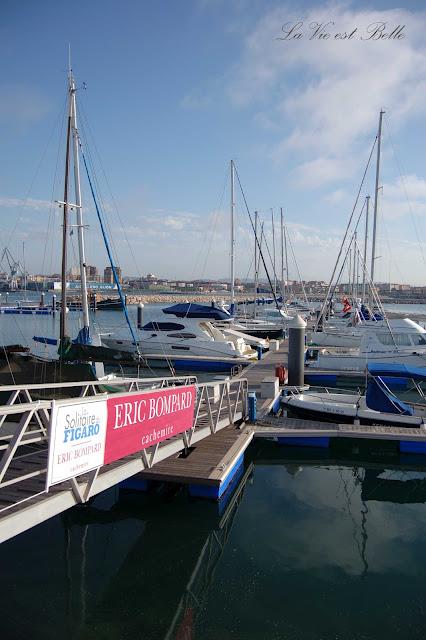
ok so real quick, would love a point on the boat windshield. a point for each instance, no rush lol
(398, 339)
(211, 331)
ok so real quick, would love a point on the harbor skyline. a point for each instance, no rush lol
(223, 78)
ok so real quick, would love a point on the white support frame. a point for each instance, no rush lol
(23, 451)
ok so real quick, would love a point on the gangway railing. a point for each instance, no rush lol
(24, 443)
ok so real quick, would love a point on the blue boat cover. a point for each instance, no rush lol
(397, 370)
(83, 336)
(194, 310)
(43, 340)
(379, 398)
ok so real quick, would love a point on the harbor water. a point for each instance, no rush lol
(310, 545)
(310, 550)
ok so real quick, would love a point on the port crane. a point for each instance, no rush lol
(12, 267)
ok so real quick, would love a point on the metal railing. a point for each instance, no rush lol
(24, 437)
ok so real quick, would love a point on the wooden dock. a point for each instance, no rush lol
(318, 434)
(264, 368)
(210, 462)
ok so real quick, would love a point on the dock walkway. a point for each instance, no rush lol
(264, 368)
(24, 499)
(210, 463)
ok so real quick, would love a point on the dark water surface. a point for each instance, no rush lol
(309, 547)
(313, 545)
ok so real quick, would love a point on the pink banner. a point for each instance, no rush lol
(142, 420)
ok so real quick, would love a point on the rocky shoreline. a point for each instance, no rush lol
(165, 298)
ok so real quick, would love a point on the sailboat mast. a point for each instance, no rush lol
(273, 251)
(256, 272)
(354, 294)
(376, 196)
(282, 256)
(25, 268)
(286, 256)
(63, 321)
(364, 271)
(80, 228)
(232, 238)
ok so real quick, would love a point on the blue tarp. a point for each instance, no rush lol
(194, 310)
(43, 340)
(83, 336)
(379, 398)
(397, 370)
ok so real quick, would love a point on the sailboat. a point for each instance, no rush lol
(78, 359)
(378, 406)
(366, 332)
(260, 325)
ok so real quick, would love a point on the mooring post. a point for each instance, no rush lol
(54, 304)
(252, 402)
(42, 299)
(140, 315)
(296, 351)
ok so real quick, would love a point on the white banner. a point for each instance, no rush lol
(77, 439)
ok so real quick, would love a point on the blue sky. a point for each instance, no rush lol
(175, 89)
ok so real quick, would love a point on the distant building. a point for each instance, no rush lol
(91, 272)
(109, 275)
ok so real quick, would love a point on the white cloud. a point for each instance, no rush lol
(336, 197)
(325, 95)
(29, 203)
(405, 197)
(21, 104)
(410, 185)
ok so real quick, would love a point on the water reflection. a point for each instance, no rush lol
(309, 546)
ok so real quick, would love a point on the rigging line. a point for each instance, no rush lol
(213, 229)
(346, 233)
(297, 267)
(269, 253)
(346, 255)
(99, 197)
(413, 220)
(388, 242)
(52, 206)
(117, 211)
(117, 282)
(18, 219)
(256, 238)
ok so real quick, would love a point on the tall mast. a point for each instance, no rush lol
(63, 321)
(25, 268)
(364, 271)
(80, 228)
(286, 256)
(376, 196)
(354, 294)
(273, 251)
(256, 273)
(232, 239)
(282, 257)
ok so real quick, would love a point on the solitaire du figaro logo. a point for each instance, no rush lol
(81, 423)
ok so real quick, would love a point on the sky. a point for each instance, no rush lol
(175, 89)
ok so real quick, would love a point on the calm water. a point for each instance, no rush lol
(311, 549)
(314, 545)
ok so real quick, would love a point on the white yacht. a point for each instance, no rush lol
(408, 348)
(183, 336)
(338, 335)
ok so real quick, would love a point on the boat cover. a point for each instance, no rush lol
(397, 370)
(195, 310)
(379, 398)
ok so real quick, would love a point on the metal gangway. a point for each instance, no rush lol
(25, 418)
